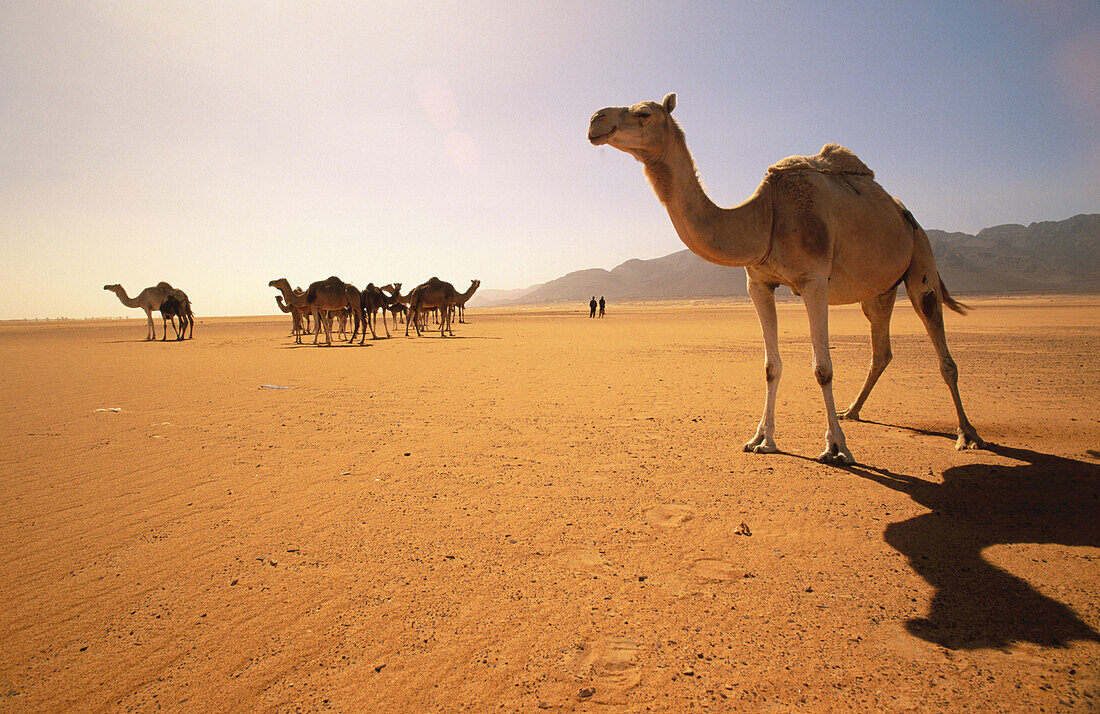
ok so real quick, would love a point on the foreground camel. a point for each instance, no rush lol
(820, 225)
(436, 294)
(462, 298)
(149, 299)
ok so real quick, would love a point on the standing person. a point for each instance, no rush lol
(592, 307)
(602, 305)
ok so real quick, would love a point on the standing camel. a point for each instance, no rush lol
(148, 300)
(326, 298)
(373, 300)
(296, 301)
(299, 318)
(171, 309)
(396, 303)
(186, 317)
(820, 225)
(462, 298)
(435, 293)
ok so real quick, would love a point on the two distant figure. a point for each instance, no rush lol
(592, 305)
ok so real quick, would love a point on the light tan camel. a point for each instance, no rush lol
(435, 293)
(326, 298)
(462, 298)
(149, 299)
(820, 225)
(295, 300)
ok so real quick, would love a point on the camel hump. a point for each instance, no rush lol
(833, 159)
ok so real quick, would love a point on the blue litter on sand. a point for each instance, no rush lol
(272, 386)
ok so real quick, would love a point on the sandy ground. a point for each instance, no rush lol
(543, 513)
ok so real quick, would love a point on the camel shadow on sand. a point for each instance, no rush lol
(1045, 499)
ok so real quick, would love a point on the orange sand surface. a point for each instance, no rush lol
(545, 513)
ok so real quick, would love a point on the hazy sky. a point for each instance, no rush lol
(218, 145)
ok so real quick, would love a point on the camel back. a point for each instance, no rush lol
(833, 159)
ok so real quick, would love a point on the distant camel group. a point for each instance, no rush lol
(173, 305)
(331, 299)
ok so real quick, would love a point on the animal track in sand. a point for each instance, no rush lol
(585, 560)
(712, 570)
(610, 663)
(669, 515)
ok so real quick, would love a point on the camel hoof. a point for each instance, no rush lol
(837, 456)
(848, 415)
(969, 441)
(760, 445)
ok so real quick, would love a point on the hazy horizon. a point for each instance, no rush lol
(219, 146)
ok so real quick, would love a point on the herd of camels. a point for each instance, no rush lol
(331, 299)
(820, 225)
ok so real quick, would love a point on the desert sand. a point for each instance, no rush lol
(549, 512)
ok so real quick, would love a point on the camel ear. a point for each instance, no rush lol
(670, 102)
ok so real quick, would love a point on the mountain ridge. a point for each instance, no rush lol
(1043, 256)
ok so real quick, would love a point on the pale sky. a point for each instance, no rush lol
(219, 145)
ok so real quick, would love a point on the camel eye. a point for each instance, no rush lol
(643, 115)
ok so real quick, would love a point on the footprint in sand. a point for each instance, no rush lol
(669, 515)
(609, 663)
(585, 560)
(712, 570)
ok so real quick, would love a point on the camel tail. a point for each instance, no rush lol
(952, 302)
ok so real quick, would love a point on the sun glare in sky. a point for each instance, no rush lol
(220, 145)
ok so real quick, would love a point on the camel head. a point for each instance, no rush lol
(280, 283)
(638, 130)
(113, 288)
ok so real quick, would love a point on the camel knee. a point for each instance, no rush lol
(879, 361)
(823, 373)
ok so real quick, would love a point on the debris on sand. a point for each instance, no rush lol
(272, 386)
(743, 529)
(110, 409)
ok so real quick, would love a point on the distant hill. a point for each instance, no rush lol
(1050, 256)
(1047, 256)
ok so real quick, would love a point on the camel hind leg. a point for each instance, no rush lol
(878, 311)
(928, 296)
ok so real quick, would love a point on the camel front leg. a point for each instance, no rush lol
(763, 299)
(150, 329)
(878, 311)
(815, 295)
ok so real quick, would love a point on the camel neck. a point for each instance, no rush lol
(126, 299)
(735, 236)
